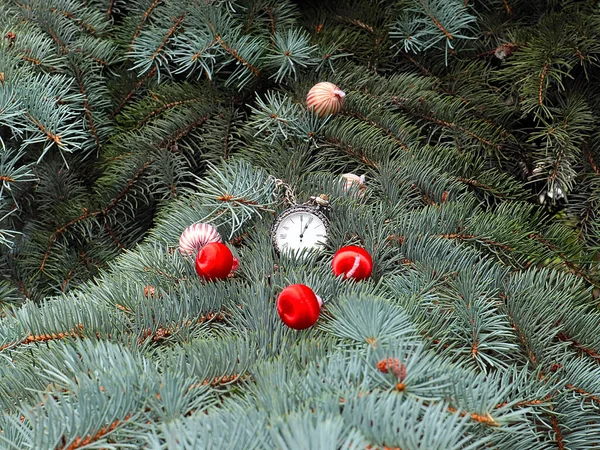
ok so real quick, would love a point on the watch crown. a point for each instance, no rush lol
(321, 200)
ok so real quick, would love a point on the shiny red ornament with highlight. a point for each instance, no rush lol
(353, 262)
(298, 306)
(214, 261)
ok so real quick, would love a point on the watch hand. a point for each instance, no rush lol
(301, 227)
(305, 227)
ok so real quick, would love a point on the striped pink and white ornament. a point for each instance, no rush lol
(325, 99)
(197, 236)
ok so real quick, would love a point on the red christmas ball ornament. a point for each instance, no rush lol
(197, 236)
(298, 306)
(214, 261)
(325, 98)
(353, 262)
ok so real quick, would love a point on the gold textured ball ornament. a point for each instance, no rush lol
(325, 99)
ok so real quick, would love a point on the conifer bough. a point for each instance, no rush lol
(124, 123)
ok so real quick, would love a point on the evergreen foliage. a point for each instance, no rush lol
(476, 125)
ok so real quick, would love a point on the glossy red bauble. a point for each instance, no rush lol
(214, 261)
(298, 306)
(353, 262)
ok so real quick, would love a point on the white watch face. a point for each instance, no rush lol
(300, 229)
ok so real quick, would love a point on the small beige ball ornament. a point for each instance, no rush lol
(325, 99)
(352, 179)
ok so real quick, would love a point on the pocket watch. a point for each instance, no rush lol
(302, 227)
